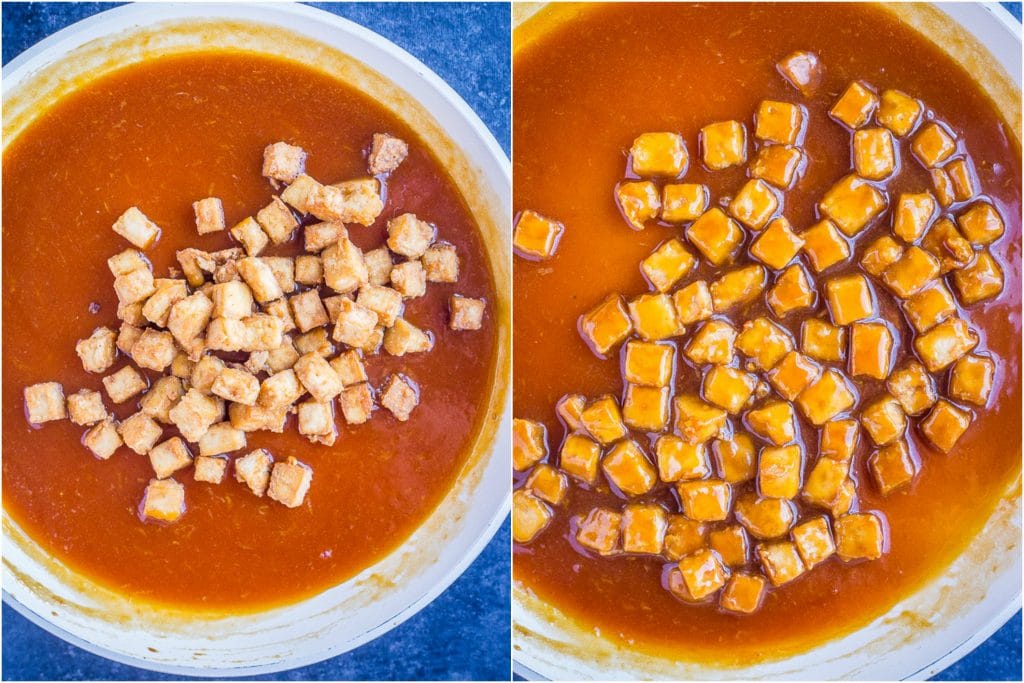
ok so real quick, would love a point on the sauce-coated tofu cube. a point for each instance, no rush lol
(792, 374)
(603, 420)
(702, 573)
(826, 397)
(979, 281)
(803, 70)
(126, 261)
(822, 340)
(548, 484)
(386, 153)
(579, 458)
(792, 291)
(755, 204)
(667, 264)
(728, 388)
(356, 403)
(693, 302)
(164, 500)
(194, 414)
(646, 408)
(942, 187)
(120, 386)
(779, 471)
(774, 422)
(781, 562)
(933, 144)
(971, 380)
(44, 402)
(777, 245)
(779, 165)
(943, 344)
(737, 287)
(763, 342)
(838, 439)
(981, 224)
(682, 202)
(743, 593)
(813, 540)
(765, 518)
(859, 536)
(855, 106)
(679, 460)
(736, 458)
(731, 544)
(98, 351)
(912, 215)
(643, 529)
(850, 298)
(707, 500)
(86, 407)
(898, 111)
(892, 467)
(945, 424)
(659, 154)
(253, 470)
(529, 443)
(441, 263)
(712, 344)
(289, 482)
(570, 411)
(536, 237)
(962, 177)
(884, 420)
(844, 500)
(723, 144)
(929, 307)
(648, 363)
(530, 516)
(825, 480)
(628, 469)
(221, 438)
(874, 153)
(871, 346)
(639, 202)
(134, 226)
(683, 537)
(824, 245)
(400, 396)
(914, 270)
(881, 254)
(606, 324)
(913, 387)
(780, 122)
(140, 432)
(209, 468)
(715, 235)
(168, 457)
(599, 530)
(852, 203)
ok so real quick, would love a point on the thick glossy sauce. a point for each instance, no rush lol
(582, 92)
(161, 135)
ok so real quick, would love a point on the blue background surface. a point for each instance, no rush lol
(466, 632)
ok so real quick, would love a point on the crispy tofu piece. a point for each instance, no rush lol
(465, 313)
(98, 351)
(599, 531)
(679, 460)
(280, 389)
(355, 324)
(659, 154)
(169, 456)
(929, 307)
(731, 544)
(970, 380)
(892, 467)
(728, 388)
(981, 224)
(779, 471)
(979, 281)
(283, 268)
(607, 324)
(712, 344)
(181, 366)
(319, 236)
(550, 485)
(379, 265)
(779, 165)
(603, 420)
(681, 202)
(386, 154)
(409, 279)
(881, 254)
(237, 385)
(536, 237)
(226, 334)
(874, 153)
(871, 350)
(736, 458)
(884, 420)
(696, 421)
(127, 261)
(134, 226)
(777, 245)
(194, 414)
(127, 336)
(263, 332)
(209, 469)
(260, 278)
(579, 458)
(157, 307)
(781, 562)
(163, 501)
(913, 215)
(850, 298)
(440, 263)
(318, 377)
(134, 287)
(654, 316)
(530, 516)
(780, 122)
(838, 439)
(723, 144)
(205, 373)
(899, 112)
(802, 70)
(140, 432)
(344, 268)
(737, 287)
(859, 536)
(826, 397)
(911, 273)
(822, 340)
(763, 342)
(209, 215)
(409, 236)
(283, 357)
(648, 363)
(825, 481)
(774, 422)
(277, 221)
(933, 144)
(962, 177)
(765, 518)
(283, 162)
(646, 408)
(639, 202)
(913, 387)
(667, 264)
(400, 395)
(852, 203)
(824, 246)
(221, 438)
(357, 403)
(813, 541)
(131, 314)
(350, 201)
(253, 469)
(316, 421)
(309, 270)
(943, 344)
(350, 368)
(643, 528)
(715, 235)
(403, 338)
(855, 106)
(570, 411)
(683, 537)
(702, 574)
(693, 302)
(189, 317)
(103, 438)
(792, 291)
(755, 204)
(258, 418)
(945, 424)
(231, 300)
(161, 397)
(120, 386)
(251, 236)
(706, 500)
(86, 407)
(743, 593)
(793, 374)
(308, 311)
(628, 469)
(154, 350)
(44, 402)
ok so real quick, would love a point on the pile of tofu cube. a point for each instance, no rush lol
(237, 340)
(756, 508)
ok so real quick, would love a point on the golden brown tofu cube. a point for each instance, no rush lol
(945, 424)
(802, 70)
(871, 350)
(529, 443)
(44, 402)
(603, 420)
(530, 516)
(701, 574)
(963, 179)
(777, 245)
(599, 531)
(579, 458)
(743, 593)
(736, 458)
(659, 154)
(707, 500)
(852, 203)
(140, 432)
(120, 386)
(654, 316)
(723, 144)
(731, 544)
(912, 215)
(822, 340)
(386, 154)
(696, 421)
(765, 518)
(813, 540)
(824, 246)
(792, 291)
(884, 420)
(779, 165)
(712, 344)
(763, 342)
(892, 467)
(737, 287)
(929, 307)
(874, 153)
(548, 484)
(780, 122)
(881, 254)
(679, 460)
(971, 379)
(715, 235)
(914, 271)
(755, 204)
(607, 324)
(684, 536)
(536, 237)
(781, 562)
(667, 264)
(628, 469)
(643, 529)
(639, 202)
(134, 226)
(859, 536)
(825, 481)
(981, 224)
(838, 439)
(728, 388)
(899, 112)
(682, 202)
(289, 482)
(163, 501)
(779, 471)
(913, 387)
(940, 346)
(850, 298)
(86, 407)
(793, 374)
(774, 422)
(648, 364)
(855, 106)
(646, 408)
(979, 281)
(826, 397)
(933, 144)
(693, 302)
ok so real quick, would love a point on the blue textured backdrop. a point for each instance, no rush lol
(465, 633)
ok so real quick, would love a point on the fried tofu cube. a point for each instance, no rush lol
(379, 265)
(648, 364)
(277, 221)
(140, 432)
(763, 342)
(98, 351)
(126, 261)
(825, 481)
(774, 422)
(855, 106)
(859, 537)
(813, 540)
(530, 516)
(221, 438)
(536, 237)
(781, 562)
(349, 367)
(793, 374)
(550, 485)
(981, 224)
(679, 460)
(403, 337)
(899, 112)
(945, 424)
(127, 336)
(826, 397)
(400, 396)
(884, 420)
(881, 254)
(683, 537)
(134, 226)
(465, 313)
(792, 291)
(283, 162)
(103, 438)
(384, 301)
(570, 410)
(309, 270)
(263, 332)
(942, 187)
(164, 500)
(639, 202)
(209, 215)
(386, 154)
(755, 204)
(169, 456)
(731, 544)
(356, 403)
(44, 402)
(231, 300)
(933, 144)
(237, 385)
(209, 469)
(943, 344)
(667, 264)
(780, 122)
(913, 387)
(283, 357)
(728, 388)
(914, 270)
(871, 350)
(316, 421)
(706, 500)
(659, 154)
(654, 316)
(852, 203)
(962, 177)
(971, 380)
(599, 530)
(409, 279)
(874, 153)
(409, 236)
(134, 287)
(823, 341)
(737, 287)
(120, 386)
(712, 344)
(606, 325)
(319, 236)
(777, 245)
(529, 443)
(157, 308)
(765, 518)
(702, 574)
(579, 458)
(344, 268)
(628, 469)
(154, 350)
(355, 324)
(258, 418)
(318, 377)
(779, 471)
(736, 458)
(892, 467)
(850, 298)
(715, 235)
(743, 593)
(260, 278)
(779, 165)
(253, 469)
(603, 420)
(194, 414)
(283, 269)
(189, 317)
(643, 529)
(912, 215)
(696, 421)
(308, 311)
(205, 373)
(181, 366)
(86, 407)
(646, 408)
(979, 281)
(693, 302)
(440, 263)
(681, 202)
(824, 246)
(844, 500)
(723, 144)
(249, 233)
(838, 439)
(161, 397)
(802, 70)
(929, 307)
